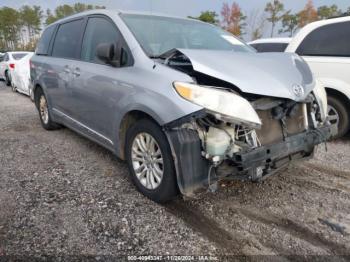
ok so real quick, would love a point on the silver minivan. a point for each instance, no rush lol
(186, 104)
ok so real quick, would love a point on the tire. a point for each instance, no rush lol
(160, 191)
(44, 112)
(338, 107)
(7, 79)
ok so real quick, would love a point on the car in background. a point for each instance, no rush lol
(8, 65)
(267, 45)
(20, 76)
(325, 46)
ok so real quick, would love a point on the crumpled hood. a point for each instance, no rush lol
(268, 74)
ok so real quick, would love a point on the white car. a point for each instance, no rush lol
(270, 44)
(20, 76)
(325, 45)
(8, 65)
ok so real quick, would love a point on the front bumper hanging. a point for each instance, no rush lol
(302, 143)
(192, 168)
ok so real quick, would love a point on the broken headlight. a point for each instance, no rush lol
(224, 105)
(321, 97)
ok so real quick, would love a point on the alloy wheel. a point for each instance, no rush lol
(333, 115)
(44, 112)
(147, 161)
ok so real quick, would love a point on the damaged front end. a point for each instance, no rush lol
(245, 139)
(260, 112)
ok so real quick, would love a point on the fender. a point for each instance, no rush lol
(35, 86)
(337, 85)
(152, 104)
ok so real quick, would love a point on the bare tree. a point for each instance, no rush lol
(290, 23)
(256, 22)
(275, 9)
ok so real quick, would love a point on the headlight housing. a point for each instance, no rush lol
(321, 97)
(224, 105)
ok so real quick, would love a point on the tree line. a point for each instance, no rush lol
(20, 29)
(233, 19)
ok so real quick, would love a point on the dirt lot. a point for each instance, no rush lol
(61, 194)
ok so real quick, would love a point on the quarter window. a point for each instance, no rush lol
(44, 43)
(67, 39)
(328, 40)
(98, 30)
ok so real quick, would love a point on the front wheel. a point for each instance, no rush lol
(150, 161)
(338, 115)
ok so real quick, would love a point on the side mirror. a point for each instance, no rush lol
(109, 53)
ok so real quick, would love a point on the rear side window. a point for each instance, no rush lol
(44, 43)
(19, 56)
(67, 40)
(270, 47)
(329, 40)
(98, 30)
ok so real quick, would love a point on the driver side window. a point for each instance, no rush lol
(98, 30)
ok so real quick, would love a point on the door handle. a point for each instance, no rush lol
(76, 72)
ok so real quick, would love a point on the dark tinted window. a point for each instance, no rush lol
(99, 30)
(270, 47)
(19, 56)
(329, 40)
(44, 43)
(67, 39)
(6, 57)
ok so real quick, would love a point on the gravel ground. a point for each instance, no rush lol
(62, 195)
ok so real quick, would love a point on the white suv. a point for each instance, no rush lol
(325, 45)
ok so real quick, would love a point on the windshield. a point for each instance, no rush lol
(157, 35)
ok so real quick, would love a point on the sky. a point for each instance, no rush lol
(174, 7)
(181, 8)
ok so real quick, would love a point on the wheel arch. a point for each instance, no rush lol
(36, 89)
(128, 119)
(339, 95)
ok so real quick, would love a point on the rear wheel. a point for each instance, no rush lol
(338, 115)
(150, 161)
(44, 112)
(7, 78)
